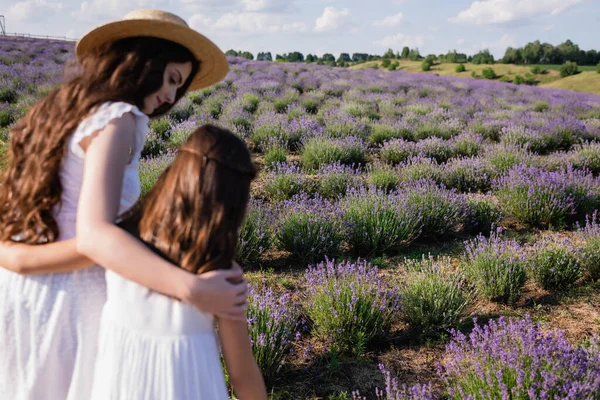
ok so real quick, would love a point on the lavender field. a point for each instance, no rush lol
(410, 236)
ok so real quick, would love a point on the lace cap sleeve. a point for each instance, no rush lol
(101, 117)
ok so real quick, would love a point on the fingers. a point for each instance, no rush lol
(233, 273)
(241, 297)
(235, 266)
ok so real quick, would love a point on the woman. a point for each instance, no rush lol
(73, 167)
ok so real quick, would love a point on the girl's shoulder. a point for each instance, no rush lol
(109, 110)
(101, 116)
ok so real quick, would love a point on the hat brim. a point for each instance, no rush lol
(214, 65)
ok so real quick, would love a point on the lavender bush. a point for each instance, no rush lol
(483, 213)
(495, 265)
(420, 168)
(377, 222)
(283, 182)
(589, 252)
(349, 304)
(319, 151)
(336, 179)
(273, 324)
(396, 391)
(384, 132)
(540, 198)
(554, 264)
(503, 157)
(467, 144)
(309, 228)
(442, 211)
(382, 176)
(586, 156)
(396, 151)
(254, 236)
(468, 174)
(434, 298)
(517, 359)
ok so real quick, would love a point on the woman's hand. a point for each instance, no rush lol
(223, 293)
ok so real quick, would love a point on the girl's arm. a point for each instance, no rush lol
(99, 239)
(244, 374)
(27, 259)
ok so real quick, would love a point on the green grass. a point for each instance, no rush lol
(556, 67)
(586, 81)
(583, 82)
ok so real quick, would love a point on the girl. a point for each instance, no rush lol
(152, 347)
(73, 167)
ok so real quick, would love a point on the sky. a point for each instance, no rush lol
(335, 26)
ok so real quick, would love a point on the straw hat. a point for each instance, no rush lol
(161, 24)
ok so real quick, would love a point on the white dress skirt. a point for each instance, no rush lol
(153, 347)
(49, 323)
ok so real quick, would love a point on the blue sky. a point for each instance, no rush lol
(335, 26)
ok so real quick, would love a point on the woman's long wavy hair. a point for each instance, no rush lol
(127, 70)
(193, 214)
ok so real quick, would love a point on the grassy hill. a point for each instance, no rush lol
(583, 82)
(586, 81)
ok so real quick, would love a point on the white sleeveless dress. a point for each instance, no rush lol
(155, 348)
(49, 323)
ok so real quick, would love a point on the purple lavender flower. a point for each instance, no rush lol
(255, 236)
(349, 304)
(273, 321)
(496, 266)
(377, 221)
(521, 360)
(309, 228)
(542, 198)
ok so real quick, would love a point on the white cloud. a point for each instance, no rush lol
(460, 41)
(497, 47)
(98, 11)
(32, 10)
(252, 23)
(331, 19)
(390, 21)
(205, 6)
(266, 5)
(490, 12)
(400, 40)
(200, 22)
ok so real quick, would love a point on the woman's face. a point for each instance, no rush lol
(175, 76)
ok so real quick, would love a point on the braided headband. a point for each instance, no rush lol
(206, 159)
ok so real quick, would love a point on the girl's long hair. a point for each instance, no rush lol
(193, 214)
(127, 70)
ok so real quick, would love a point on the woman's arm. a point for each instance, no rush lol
(244, 374)
(99, 239)
(28, 259)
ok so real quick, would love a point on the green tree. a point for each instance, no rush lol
(389, 54)
(247, 54)
(345, 57)
(327, 57)
(483, 57)
(405, 53)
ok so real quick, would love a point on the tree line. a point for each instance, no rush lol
(531, 53)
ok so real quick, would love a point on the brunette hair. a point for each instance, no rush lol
(193, 214)
(127, 70)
